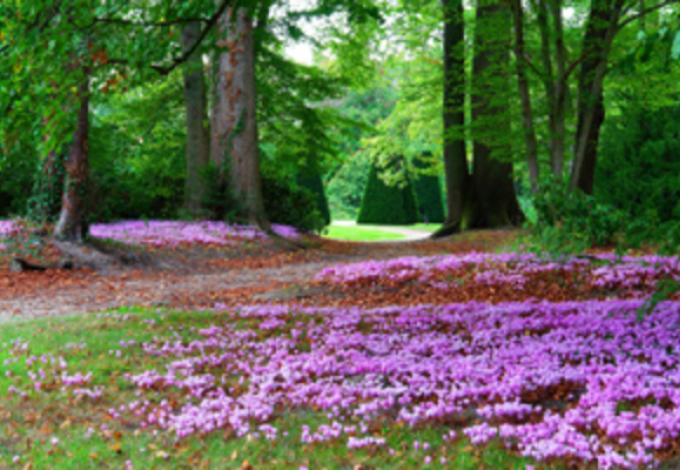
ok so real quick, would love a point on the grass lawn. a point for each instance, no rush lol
(53, 426)
(359, 233)
(429, 228)
(368, 233)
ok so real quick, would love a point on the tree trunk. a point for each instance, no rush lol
(496, 202)
(558, 137)
(197, 143)
(457, 177)
(219, 125)
(600, 30)
(530, 143)
(70, 226)
(237, 139)
(553, 81)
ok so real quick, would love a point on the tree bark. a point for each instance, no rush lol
(236, 136)
(495, 202)
(600, 31)
(457, 177)
(70, 226)
(530, 142)
(197, 143)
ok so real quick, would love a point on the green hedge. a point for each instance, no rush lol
(389, 205)
(310, 179)
(428, 194)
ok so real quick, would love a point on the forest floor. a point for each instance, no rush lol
(192, 277)
(457, 353)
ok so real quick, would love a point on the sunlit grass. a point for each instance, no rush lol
(359, 233)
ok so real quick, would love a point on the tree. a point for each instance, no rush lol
(558, 62)
(70, 226)
(235, 134)
(529, 134)
(456, 172)
(601, 27)
(495, 200)
(87, 46)
(198, 140)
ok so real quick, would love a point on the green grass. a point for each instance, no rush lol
(30, 424)
(360, 233)
(369, 233)
(429, 228)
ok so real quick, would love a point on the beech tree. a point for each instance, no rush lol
(234, 133)
(492, 177)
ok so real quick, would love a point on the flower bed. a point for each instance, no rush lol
(7, 229)
(630, 276)
(574, 381)
(172, 233)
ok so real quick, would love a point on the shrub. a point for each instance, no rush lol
(571, 221)
(291, 205)
(639, 174)
(17, 168)
(639, 167)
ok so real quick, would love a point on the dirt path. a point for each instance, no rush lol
(161, 289)
(206, 280)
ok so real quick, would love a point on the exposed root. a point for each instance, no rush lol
(445, 231)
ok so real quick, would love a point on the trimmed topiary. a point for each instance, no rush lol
(428, 196)
(310, 179)
(389, 205)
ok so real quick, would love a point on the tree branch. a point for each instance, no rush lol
(527, 60)
(644, 12)
(568, 71)
(164, 70)
(585, 54)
